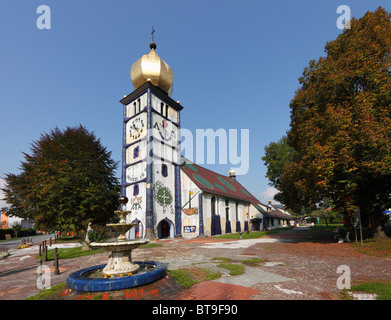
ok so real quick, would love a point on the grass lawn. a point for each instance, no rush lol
(381, 288)
(187, 277)
(67, 239)
(379, 248)
(331, 226)
(68, 253)
(251, 235)
(48, 294)
(234, 269)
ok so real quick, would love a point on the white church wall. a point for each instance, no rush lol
(136, 205)
(136, 152)
(190, 210)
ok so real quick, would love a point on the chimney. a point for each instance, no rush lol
(269, 205)
(232, 174)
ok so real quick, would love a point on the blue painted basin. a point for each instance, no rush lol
(80, 281)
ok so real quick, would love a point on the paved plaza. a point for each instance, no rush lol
(295, 264)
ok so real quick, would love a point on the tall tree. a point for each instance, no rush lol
(66, 182)
(277, 155)
(341, 123)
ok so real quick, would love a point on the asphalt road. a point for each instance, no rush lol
(12, 244)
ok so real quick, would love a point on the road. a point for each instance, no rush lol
(12, 244)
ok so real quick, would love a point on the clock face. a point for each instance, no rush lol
(136, 172)
(136, 128)
(165, 130)
(164, 133)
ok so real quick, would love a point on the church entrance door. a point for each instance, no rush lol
(164, 229)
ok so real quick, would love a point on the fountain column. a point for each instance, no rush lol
(120, 259)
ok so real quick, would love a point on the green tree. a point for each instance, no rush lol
(66, 182)
(341, 123)
(277, 155)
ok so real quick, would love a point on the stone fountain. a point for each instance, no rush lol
(120, 260)
(120, 272)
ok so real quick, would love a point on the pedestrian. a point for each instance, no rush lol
(339, 235)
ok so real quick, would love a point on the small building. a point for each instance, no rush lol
(276, 217)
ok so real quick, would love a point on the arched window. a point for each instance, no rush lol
(227, 213)
(164, 170)
(237, 211)
(213, 206)
(136, 190)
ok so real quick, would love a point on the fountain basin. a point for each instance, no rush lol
(81, 280)
(120, 260)
(122, 228)
(119, 245)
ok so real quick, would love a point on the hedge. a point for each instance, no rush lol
(24, 232)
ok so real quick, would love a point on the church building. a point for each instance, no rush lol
(168, 195)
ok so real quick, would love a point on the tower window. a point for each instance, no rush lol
(136, 190)
(166, 110)
(162, 108)
(164, 170)
(136, 152)
(134, 108)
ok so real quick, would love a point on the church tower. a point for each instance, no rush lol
(151, 150)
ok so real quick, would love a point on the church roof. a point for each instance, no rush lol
(218, 184)
(212, 182)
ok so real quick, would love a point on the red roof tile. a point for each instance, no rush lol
(215, 183)
(212, 182)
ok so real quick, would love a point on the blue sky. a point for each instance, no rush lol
(236, 65)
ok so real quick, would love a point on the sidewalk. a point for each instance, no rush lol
(292, 265)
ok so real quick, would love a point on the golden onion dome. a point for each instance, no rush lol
(150, 67)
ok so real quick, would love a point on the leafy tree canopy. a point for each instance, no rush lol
(66, 182)
(341, 123)
(277, 155)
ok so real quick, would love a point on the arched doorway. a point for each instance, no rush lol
(137, 231)
(215, 226)
(165, 229)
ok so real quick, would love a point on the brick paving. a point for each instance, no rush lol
(295, 264)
